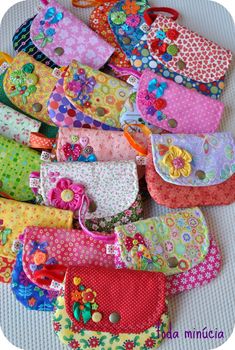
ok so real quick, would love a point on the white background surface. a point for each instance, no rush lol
(211, 306)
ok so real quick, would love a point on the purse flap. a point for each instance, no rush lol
(159, 101)
(28, 85)
(95, 93)
(186, 52)
(16, 164)
(16, 126)
(194, 160)
(126, 20)
(114, 301)
(62, 37)
(45, 246)
(112, 186)
(65, 114)
(172, 243)
(95, 145)
(15, 216)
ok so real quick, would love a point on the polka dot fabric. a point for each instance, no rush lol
(68, 247)
(137, 296)
(191, 112)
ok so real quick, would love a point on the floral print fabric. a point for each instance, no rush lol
(212, 154)
(171, 244)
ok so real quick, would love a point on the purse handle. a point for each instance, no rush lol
(146, 131)
(150, 16)
(50, 273)
(89, 3)
(4, 57)
(40, 141)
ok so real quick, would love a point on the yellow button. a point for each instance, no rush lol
(67, 195)
(32, 79)
(96, 317)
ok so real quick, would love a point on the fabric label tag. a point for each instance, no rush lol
(140, 160)
(110, 249)
(144, 27)
(56, 285)
(34, 182)
(132, 80)
(46, 156)
(56, 73)
(4, 67)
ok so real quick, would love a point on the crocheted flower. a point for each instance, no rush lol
(161, 34)
(147, 99)
(76, 296)
(158, 46)
(178, 161)
(172, 34)
(39, 258)
(88, 296)
(75, 86)
(66, 195)
(133, 20)
(160, 103)
(130, 7)
(118, 17)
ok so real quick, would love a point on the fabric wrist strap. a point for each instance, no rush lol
(150, 14)
(146, 131)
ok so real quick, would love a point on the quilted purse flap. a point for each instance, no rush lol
(95, 93)
(127, 22)
(15, 216)
(112, 186)
(61, 36)
(16, 164)
(46, 246)
(28, 85)
(172, 243)
(194, 160)
(95, 145)
(118, 297)
(16, 126)
(187, 52)
(175, 108)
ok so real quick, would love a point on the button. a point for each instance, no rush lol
(59, 51)
(96, 317)
(114, 317)
(181, 64)
(200, 174)
(126, 40)
(37, 107)
(172, 262)
(100, 111)
(172, 123)
(92, 207)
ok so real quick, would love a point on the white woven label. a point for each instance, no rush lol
(144, 27)
(4, 67)
(46, 156)
(34, 182)
(110, 249)
(56, 73)
(56, 285)
(132, 80)
(140, 160)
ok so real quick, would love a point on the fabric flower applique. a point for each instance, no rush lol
(66, 195)
(85, 301)
(24, 82)
(48, 25)
(178, 161)
(79, 150)
(158, 104)
(162, 45)
(39, 256)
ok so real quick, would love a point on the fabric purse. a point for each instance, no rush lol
(190, 170)
(16, 126)
(79, 248)
(126, 20)
(28, 85)
(16, 216)
(148, 244)
(96, 94)
(109, 319)
(27, 293)
(176, 109)
(16, 164)
(64, 187)
(59, 35)
(185, 52)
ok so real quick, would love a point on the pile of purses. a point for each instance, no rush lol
(93, 120)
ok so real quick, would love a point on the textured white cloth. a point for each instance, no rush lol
(211, 306)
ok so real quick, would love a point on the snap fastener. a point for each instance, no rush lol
(172, 123)
(200, 174)
(100, 111)
(114, 317)
(126, 40)
(92, 207)
(181, 64)
(59, 51)
(37, 107)
(172, 262)
(96, 317)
